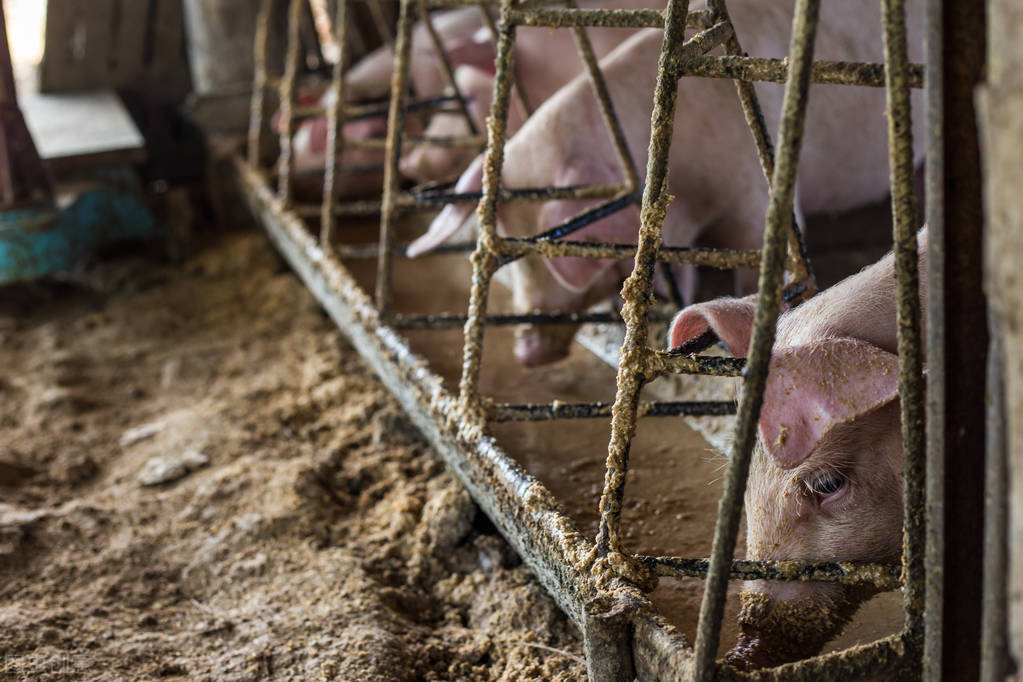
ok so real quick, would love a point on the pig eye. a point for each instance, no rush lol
(825, 483)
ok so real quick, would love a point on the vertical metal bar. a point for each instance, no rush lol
(517, 91)
(286, 161)
(935, 466)
(779, 215)
(383, 26)
(335, 124)
(488, 248)
(257, 111)
(447, 70)
(907, 286)
(802, 270)
(638, 288)
(607, 641)
(956, 343)
(994, 647)
(389, 211)
(607, 107)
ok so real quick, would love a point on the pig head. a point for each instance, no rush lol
(541, 285)
(563, 144)
(825, 479)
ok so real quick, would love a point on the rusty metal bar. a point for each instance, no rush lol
(907, 288)
(383, 26)
(766, 70)
(637, 290)
(412, 141)
(389, 210)
(484, 259)
(286, 161)
(525, 110)
(882, 576)
(257, 110)
(450, 320)
(678, 255)
(572, 17)
(802, 280)
(606, 640)
(370, 109)
(779, 215)
(576, 223)
(956, 341)
(560, 410)
(447, 69)
(335, 122)
(606, 106)
(666, 362)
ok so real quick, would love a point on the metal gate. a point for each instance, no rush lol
(599, 584)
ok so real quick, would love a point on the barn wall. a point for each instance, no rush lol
(1002, 125)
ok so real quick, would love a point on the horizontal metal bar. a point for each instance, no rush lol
(372, 250)
(608, 18)
(478, 141)
(666, 362)
(355, 112)
(449, 320)
(587, 217)
(571, 192)
(717, 258)
(560, 410)
(768, 70)
(428, 201)
(882, 576)
(679, 255)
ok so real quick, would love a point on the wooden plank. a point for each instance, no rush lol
(81, 127)
(131, 40)
(59, 67)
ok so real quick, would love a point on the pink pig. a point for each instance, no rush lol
(309, 150)
(545, 61)
(825, 481)
(714, 173)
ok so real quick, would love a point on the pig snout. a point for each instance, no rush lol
(781, 623)
(535, 346)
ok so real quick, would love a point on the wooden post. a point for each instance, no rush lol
(23, 179)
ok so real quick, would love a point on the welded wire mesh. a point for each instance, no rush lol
(640, 363)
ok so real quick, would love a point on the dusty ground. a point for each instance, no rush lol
(303, 531)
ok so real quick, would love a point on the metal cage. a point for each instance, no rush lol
(599, 584)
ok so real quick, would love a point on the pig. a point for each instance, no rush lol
(545, 61)
(825, 479)
(714, 173)
(309, 147)
(459, 31)
(370, 79)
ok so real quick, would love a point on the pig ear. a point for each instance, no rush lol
(812, 389)
(731, 319)
(577, 274)
(453, 216)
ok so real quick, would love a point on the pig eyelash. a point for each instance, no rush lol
(825, 484)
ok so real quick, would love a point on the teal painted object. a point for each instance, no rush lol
(41, 241)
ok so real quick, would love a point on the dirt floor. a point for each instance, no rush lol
(199, 479)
